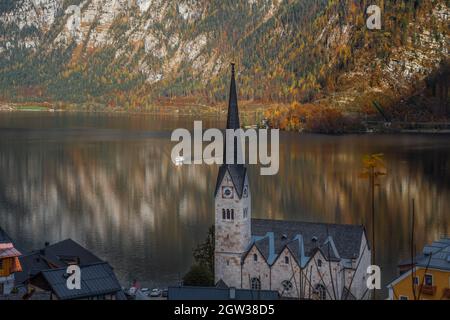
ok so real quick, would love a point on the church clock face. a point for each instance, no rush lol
(227, 192)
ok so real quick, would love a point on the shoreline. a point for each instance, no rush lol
(205, 112)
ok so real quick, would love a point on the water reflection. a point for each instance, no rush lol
(108, 182)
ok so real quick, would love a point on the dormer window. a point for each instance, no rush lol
(255, 257)
(286, 259)
(319, 263)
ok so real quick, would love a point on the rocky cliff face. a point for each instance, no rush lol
(136, 51)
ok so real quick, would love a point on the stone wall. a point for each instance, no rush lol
(282, 271)
(255, 269)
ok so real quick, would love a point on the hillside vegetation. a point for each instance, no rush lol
(298, 59)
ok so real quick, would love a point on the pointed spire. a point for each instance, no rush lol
(233, 115)
(236, 171)
(233, 112)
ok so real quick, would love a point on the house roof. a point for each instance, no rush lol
(96, 279)
(433, 256)
(32, 264)
(57, 255)
(436, 255)
(221, 284)
(303, 239)
(212, 293)
(9, 253)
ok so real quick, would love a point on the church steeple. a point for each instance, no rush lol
(232, 206)
(233, 112)
(232, 118)
(237, 171)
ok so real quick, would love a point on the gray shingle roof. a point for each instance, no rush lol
(346, 238)
(263, 246)
(436, 255)
(68, 249)
(54, 256)
(97, 279)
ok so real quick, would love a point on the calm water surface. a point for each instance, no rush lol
(107, 181)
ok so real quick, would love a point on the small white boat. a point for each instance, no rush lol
(179, 161)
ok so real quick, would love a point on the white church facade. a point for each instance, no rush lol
(300, 260)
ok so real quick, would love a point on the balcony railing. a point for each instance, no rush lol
(446, 293)
(429, 290)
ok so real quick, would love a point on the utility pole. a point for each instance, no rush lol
(373, 168)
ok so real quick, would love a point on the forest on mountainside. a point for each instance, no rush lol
(300, 58)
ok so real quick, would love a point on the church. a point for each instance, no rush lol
(300, 260)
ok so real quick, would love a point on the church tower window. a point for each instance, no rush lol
(286, 259)
(228, 214)
(255, 257)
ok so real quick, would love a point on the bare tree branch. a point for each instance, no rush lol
(321, 278)
(423, 278)
(356, 269)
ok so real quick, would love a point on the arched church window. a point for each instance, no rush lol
(287, 285)
(224, 215)
(228, 214)
(322, 292)
(255, 257)
(232, 214)
(255, 284)
(286, 259)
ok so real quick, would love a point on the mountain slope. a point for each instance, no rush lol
(133, 53)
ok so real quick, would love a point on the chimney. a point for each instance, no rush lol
(232, 292)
